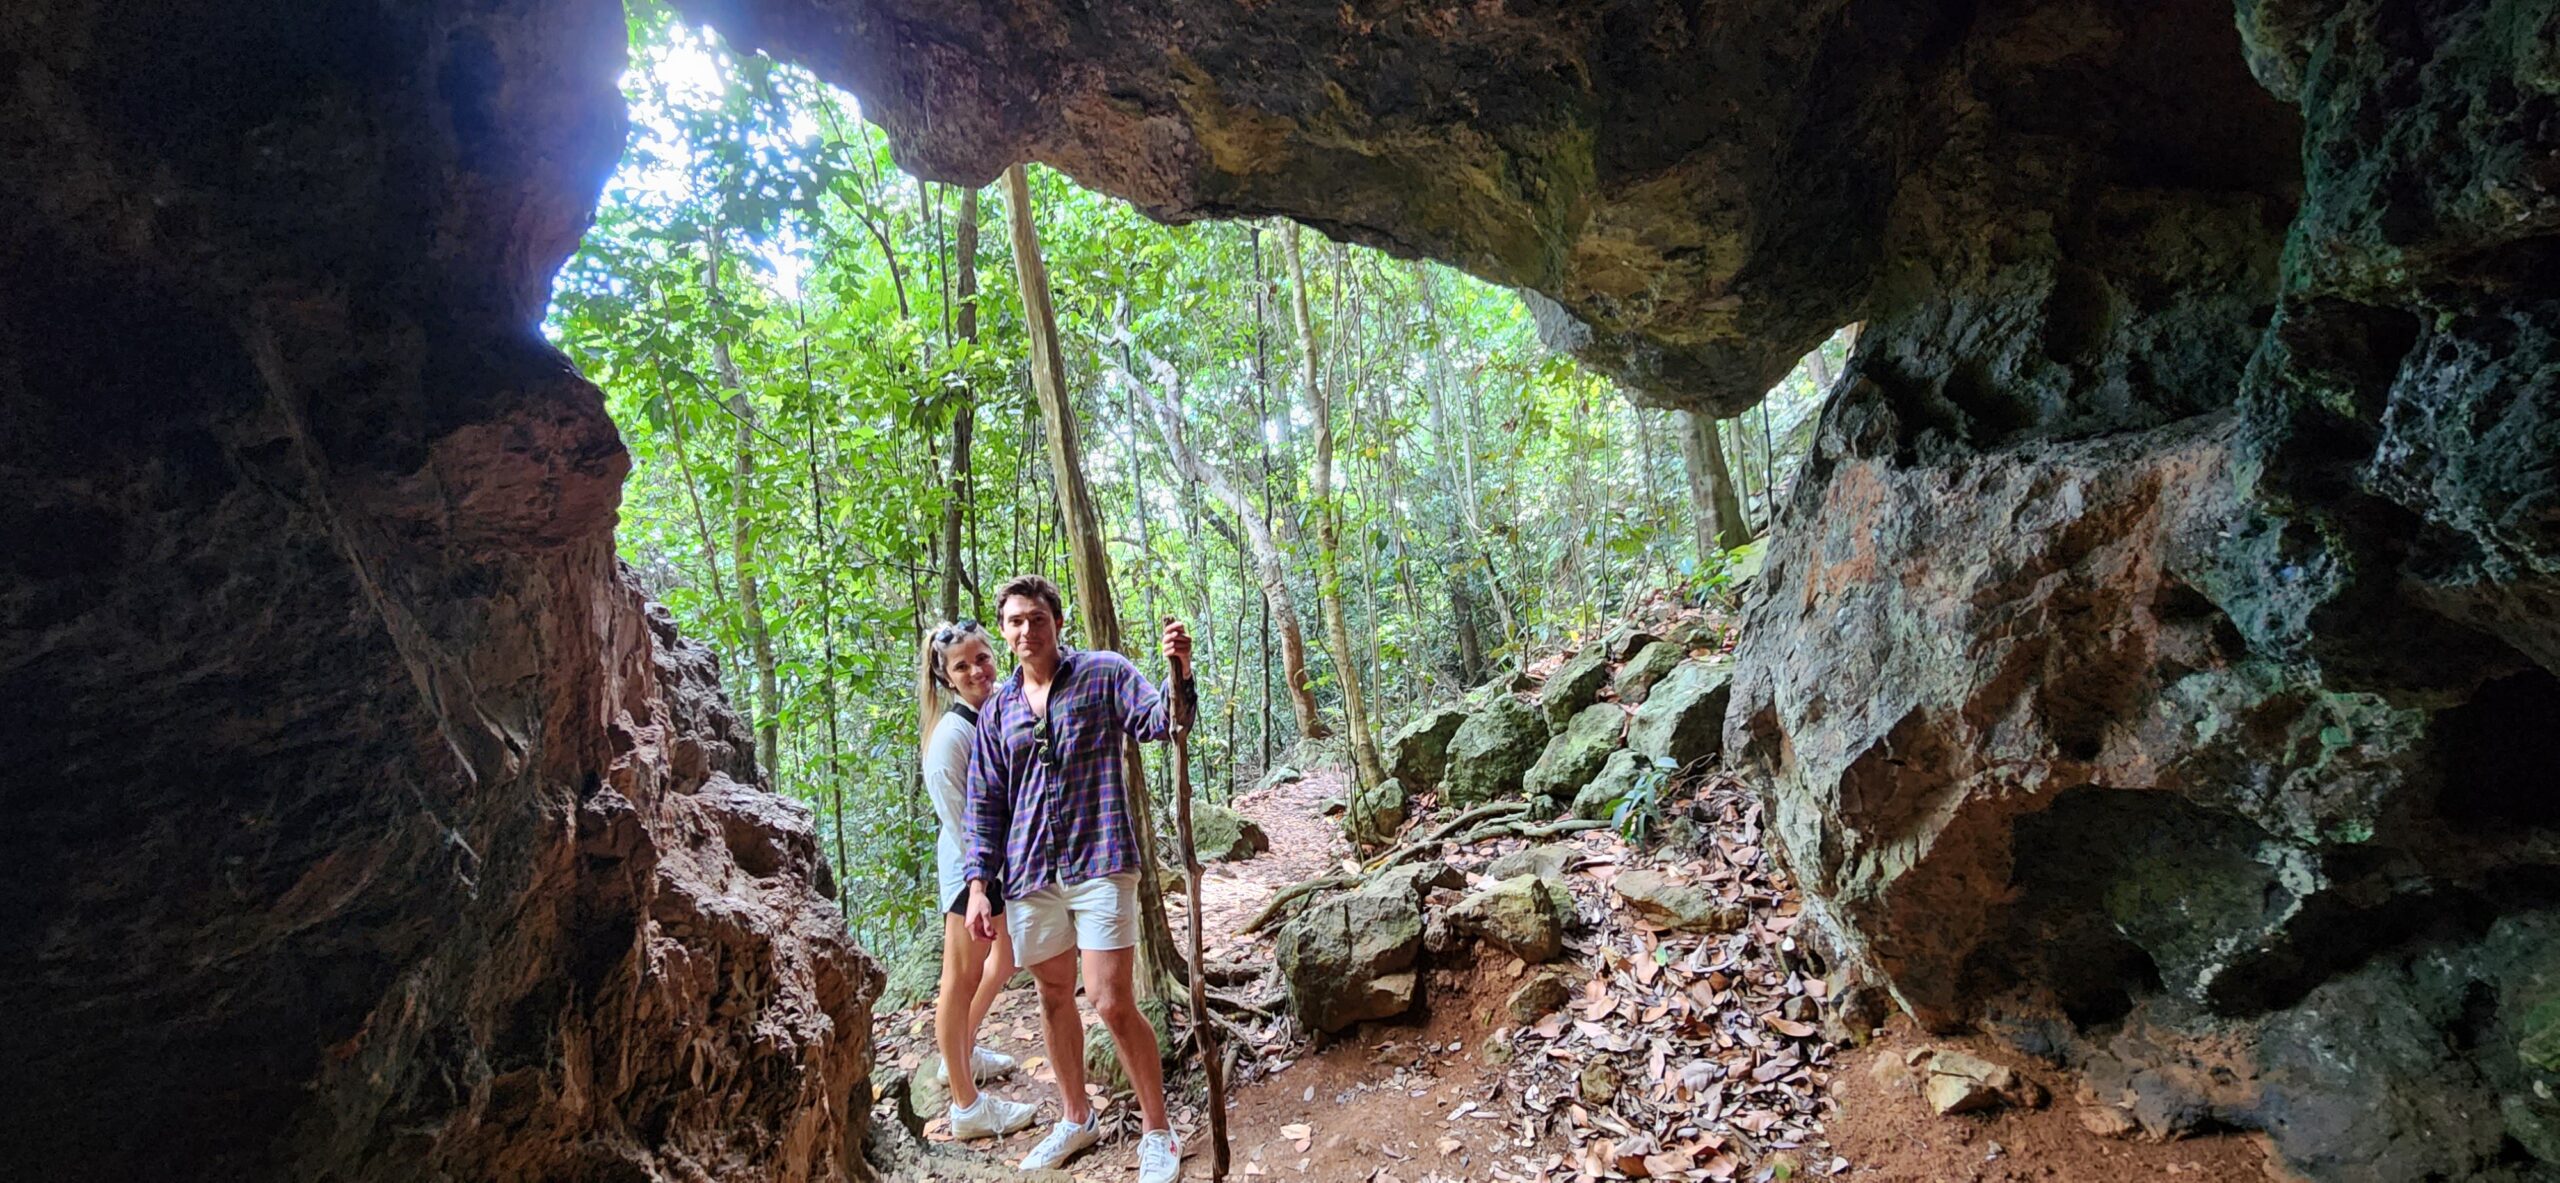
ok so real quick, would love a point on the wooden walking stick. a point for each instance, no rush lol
(1204, 1032)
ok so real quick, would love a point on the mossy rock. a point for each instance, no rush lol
(1350, 957)
(1222, 835)
(1575, 757)
(1683, 719)
(1575, 684)
(1524, 915)
(1418, 753)
(1377, 812)
(1646, 669)
(1493, 751)
(2539, 1045)
(1626, 640)
(1598, 799)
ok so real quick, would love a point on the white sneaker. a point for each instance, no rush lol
(1159, 1157)
(1064, 1141)
(991, 1117)
(988, 1065)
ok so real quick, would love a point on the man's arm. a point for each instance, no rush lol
(990, 800)
(1147, 712)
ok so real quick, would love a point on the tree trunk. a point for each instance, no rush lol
(1714, 512)
(1328, 521)
(1266, 551)
(955, 512)
(768, 712)
(1089, 563)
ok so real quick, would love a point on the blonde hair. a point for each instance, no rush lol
(933, 688)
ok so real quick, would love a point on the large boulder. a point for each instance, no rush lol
(1524, 915)
(1619, 776)
(1575, 756)
(1376, 813)
(1650, 665)
(1418, 753)
(1222, 835)
(1492, 751)
(1682, 720)
(1350, 957)
(1574, 685)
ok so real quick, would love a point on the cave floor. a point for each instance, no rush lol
(1459, 1092)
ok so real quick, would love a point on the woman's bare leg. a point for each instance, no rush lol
(998, 970)
(956, 1010)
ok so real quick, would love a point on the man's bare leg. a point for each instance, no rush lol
(1063, 1030)
(1110, 974)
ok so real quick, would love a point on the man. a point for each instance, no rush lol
(1049, 828)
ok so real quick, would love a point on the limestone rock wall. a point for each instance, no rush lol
(2152, 662)
(364, 822)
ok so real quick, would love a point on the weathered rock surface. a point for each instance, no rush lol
(1645, 668)
(2183, 518)
(1682, 719)
(383, 831)
(1418, 753)
(1618, 777)
(1670, 903)
(1574, 685)
(1376, 813)
(1223, 835)
(1524, 915)
(1349, 958)
(1546, 860)
(1625, 639)
(1493, 751)
(1541, 993)
(1577, 754)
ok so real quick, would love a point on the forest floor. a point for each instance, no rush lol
(1673, 1058)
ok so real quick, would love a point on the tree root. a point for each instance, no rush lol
(1513, 829)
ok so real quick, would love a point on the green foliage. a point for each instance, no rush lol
(1637, 813)
(760, 262)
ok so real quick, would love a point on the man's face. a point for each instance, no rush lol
(1030, 630)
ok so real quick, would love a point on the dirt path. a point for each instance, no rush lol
(1706, 1074)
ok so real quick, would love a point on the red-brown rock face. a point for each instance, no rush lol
(364, 821)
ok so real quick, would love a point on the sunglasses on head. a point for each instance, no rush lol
(954, 631)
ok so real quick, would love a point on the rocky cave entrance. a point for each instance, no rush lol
(367, 823)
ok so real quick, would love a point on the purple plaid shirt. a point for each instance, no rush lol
(1032, 825)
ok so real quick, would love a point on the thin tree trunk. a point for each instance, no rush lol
(1089, 563)
(768, 714)
(1328, 515)
(964, 421)
(1463, 473)
(1714, 512)
(826, 625)
(1266, 551)
(693, 494)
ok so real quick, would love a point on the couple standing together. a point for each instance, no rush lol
(1038, 858)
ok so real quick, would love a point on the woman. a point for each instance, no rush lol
(959, 673)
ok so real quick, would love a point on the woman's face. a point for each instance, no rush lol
(971, 668)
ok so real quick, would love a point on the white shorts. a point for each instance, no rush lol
(1095, 914)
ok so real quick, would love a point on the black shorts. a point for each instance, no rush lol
(959, 905)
